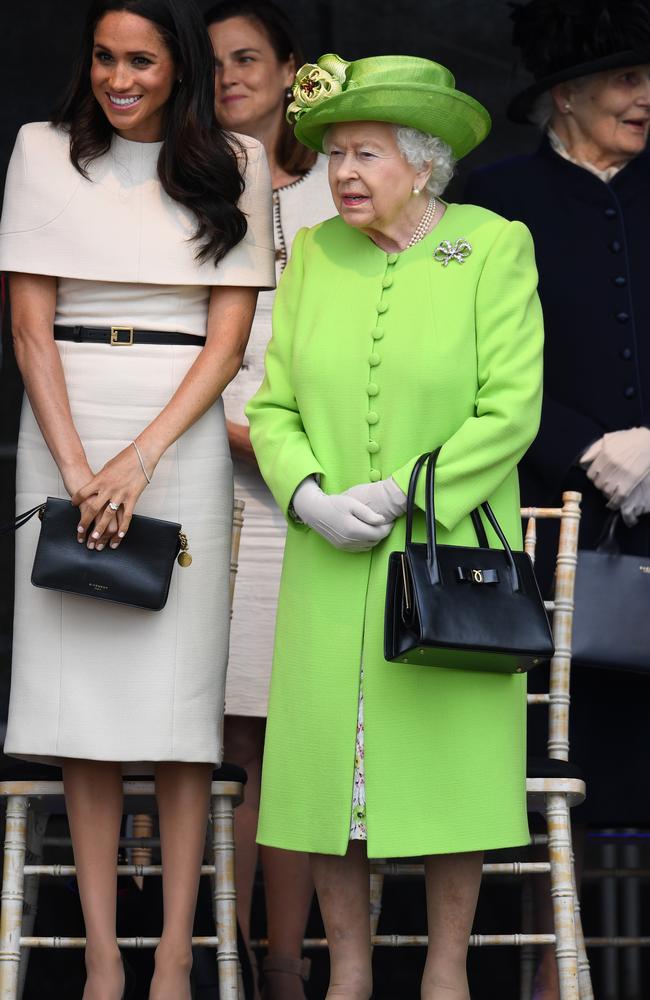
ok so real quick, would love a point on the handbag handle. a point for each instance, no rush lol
(20, 519)
(479, 530)
(608, 541)
(430, 519)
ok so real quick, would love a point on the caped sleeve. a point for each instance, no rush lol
(281, 446)
(40, 184)
(118, 224)
(485, 449)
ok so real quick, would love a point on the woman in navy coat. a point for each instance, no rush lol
(585, 196)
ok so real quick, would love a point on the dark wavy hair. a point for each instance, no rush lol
(200, 165)
(290, 154)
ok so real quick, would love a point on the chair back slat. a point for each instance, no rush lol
(237, 524)
(530, 539)
(561, 608)
(565, 575)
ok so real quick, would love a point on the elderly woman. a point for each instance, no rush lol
(585, 195)
(401, 325)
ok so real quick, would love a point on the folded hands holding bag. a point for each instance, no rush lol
(343, 520)
(108, 498)
(385, 497)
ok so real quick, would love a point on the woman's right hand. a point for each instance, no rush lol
(75, 479)
(342, 520)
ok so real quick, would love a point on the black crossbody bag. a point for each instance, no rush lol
(459, 607)
(138, 572)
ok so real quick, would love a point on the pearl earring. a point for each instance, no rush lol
(416, 190)
(567, 106)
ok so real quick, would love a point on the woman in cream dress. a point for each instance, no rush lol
(256, 56)
(93, 238)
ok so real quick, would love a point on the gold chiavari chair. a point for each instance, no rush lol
(30, 802)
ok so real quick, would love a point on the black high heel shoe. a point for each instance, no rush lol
(129, 981)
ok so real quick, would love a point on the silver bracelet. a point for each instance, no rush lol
(137, 451)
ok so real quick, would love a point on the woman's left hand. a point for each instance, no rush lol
(385, 498)
(120, 482)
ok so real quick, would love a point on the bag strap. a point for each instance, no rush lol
(479, 530)
(608, 542)
(410, 496)
(430, 519)
(6, 529)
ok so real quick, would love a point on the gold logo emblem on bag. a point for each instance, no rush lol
(477, 576)
(184, 557)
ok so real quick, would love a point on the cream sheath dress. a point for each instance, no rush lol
(92, 679)
(305, 202)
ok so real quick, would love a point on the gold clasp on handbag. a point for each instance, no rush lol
(184, 557)
(465, 574)
(116, 334)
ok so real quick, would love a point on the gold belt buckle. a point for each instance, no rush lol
(115, 336)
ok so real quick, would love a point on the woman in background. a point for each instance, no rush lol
(256, 54)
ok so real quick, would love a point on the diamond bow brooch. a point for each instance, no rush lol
(448, 251)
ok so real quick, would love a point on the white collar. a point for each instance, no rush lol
(604, 175)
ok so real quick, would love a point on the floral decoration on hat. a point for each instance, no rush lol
(315, 83)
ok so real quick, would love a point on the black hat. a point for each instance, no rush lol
(564, 39)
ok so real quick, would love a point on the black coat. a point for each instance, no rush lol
(593, 255)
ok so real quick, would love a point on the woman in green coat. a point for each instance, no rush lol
(401, 325)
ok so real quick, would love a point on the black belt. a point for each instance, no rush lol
(123, 336)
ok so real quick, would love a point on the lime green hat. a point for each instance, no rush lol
(402, 90)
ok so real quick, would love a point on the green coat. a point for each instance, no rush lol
(376, 358)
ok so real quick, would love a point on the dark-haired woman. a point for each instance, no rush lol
(257, 53)
(132, 209)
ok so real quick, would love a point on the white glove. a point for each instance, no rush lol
(343, 521)
(385, 497)
(617, 463)
(637, 503)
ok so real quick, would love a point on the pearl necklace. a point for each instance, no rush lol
(422, 227)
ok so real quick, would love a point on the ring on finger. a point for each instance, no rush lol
(113, 506)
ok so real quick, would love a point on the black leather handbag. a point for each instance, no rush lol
(611, 622)
(138, 572)
(459, 607)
